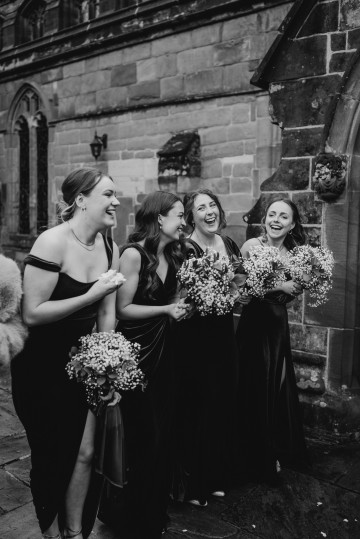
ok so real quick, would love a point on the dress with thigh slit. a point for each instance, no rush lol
(138, 510)
(52, 408)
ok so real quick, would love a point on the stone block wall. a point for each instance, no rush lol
(305, 73)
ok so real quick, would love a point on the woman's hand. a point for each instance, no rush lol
(102, 288)
(292, 288)
(243, 298)
(112, 398)
(177, 311)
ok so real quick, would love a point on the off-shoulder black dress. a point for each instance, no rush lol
(51, 407)
(138, 510)
(206, 392)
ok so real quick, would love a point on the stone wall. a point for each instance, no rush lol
(196, 79)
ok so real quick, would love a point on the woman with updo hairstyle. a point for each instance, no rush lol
(206, 372)
(64, 300)
(270, 425)
(147, 306)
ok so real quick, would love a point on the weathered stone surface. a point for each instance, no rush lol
(20, 469)
(303, 102)
(189, 522)
(144, 91)
(301, 142)
(319, 506)
(232, 52)
(309, 338)
(308, 358)
(295, 309)
(322, 19)
(13, 493)
(338, 41)
(310, 210)
(202, 82)
(123, 75)
(354, 38)
(349, 14)
(339, 61)
(193, 60)
(292, 175)
(302, 58)
(314, 235)
(13, 447)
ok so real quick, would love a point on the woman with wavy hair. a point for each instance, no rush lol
(270, 428)
(63, 300)
(147, 303)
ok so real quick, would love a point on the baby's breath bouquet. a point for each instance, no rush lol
(312, 268)
(264, 269)
(106, 362)
(207, 281)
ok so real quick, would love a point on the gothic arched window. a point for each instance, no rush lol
(24, 175)
(31, 21)
(33, 138)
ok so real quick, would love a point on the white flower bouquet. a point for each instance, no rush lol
(106, 362)
(113, 276)
(264, 269)
(312, 268)
(208, 283)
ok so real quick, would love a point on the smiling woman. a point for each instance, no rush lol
(63, 299)
(146, 305)
(270, 427)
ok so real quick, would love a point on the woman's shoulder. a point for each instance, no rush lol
(50, 245)
(230, 244)
(252, 242)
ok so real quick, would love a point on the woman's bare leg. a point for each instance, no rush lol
(80, 480)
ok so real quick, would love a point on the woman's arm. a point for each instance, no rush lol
(39, 284)
(130, 266)
(106, 318)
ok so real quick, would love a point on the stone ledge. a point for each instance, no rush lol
(337, 414)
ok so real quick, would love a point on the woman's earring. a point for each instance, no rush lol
(83, 208)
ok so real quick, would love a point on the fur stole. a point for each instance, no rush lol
(13, 332)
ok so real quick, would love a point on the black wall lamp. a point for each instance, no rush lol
(97, 144)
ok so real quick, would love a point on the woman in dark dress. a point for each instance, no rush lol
(63, 299)
(206, 373)
(270, 426)
(145, 306)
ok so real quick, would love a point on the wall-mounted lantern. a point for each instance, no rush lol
(97, 144)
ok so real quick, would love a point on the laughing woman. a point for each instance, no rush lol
(270, 429)
(206, 373)
(146, 304)
(63, 299)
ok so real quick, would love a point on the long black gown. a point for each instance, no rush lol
(51, 407)
(270, 423)
(206, 380)
(139, 509)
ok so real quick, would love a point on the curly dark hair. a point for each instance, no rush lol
(189, 201)
(147, 228)
(297, 236)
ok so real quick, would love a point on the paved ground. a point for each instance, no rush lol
(324, 502)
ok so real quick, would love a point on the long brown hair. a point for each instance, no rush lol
(297, 236)
(147, 228)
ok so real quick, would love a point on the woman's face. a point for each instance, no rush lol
(279, 220)
(101, 203)
(172, 223)
(206, 214)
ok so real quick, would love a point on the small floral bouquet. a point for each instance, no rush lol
(113, 276)
(207, 281)
(264, 269)
(312, 268)
(105, 362)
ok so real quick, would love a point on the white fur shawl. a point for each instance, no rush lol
(12, 330)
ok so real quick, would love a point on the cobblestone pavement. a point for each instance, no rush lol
(323, 502)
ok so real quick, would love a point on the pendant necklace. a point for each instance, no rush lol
(82, 243)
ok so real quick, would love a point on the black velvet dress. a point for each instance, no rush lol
(139, 509)
(51, 407)
(270, 424)
(206, 380)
